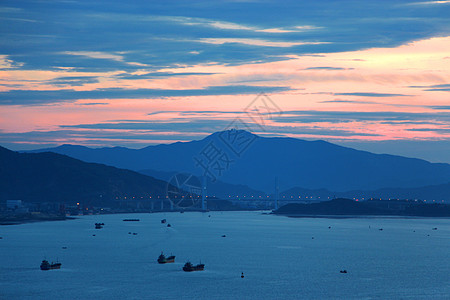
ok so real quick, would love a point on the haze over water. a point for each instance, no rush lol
(278, 255)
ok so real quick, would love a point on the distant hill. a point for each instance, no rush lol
(342, 206)
(51, 177)
(310, 164)
(218, 189)
(296, 192)
(429, 193)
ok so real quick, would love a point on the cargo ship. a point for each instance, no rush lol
(162, 259)
(45, 265)
(188, 267)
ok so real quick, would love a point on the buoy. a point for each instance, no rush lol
(242, 274)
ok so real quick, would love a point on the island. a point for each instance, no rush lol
(348, 207)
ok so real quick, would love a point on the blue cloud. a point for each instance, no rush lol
(73, 80)
(158, 74)
(328, 68)
(433, 88)
(349, 101)
(312, 116)
(159, 34)
(438, 90)
(370, 94)
(33, 97)
(440, 107)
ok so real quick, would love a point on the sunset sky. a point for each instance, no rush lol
(373, 75)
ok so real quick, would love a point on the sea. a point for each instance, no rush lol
(279, 257)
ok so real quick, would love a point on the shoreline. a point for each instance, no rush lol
(358, 216)
(5, 221)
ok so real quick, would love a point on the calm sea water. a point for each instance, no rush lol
(282, 258)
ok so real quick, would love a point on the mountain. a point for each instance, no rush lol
(219, 189)
(342, 206)
(51, 177)
(297, 192)
(431, 193)
(244, 158)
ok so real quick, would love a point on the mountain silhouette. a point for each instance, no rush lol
(52, 177)
(256, 161)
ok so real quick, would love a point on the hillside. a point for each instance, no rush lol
(431, 193)
(309, 164)
(219, 189)
(347, 207)
(51, 177)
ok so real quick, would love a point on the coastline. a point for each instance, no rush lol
(31, 218)
(358, 216)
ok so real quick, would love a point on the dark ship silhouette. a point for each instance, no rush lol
(162, 259)
(45, 265)
(188, 267)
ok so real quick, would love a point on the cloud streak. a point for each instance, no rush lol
(122, 74)
(30, 97)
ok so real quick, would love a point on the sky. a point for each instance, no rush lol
(372, 75)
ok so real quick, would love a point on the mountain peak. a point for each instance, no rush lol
(233, 131)
(239, 157)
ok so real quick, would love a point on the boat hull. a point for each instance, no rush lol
(166, 260)
(199, 267)
(47, 266)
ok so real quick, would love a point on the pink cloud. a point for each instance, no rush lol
(377, 70)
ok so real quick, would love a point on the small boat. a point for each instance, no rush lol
(343, 271)
(168, 225)
(131, 220)
(162, 259)
(188, 267)
(99, 225)
(163, 221)
(45, 265)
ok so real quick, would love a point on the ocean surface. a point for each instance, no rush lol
(282, 258)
